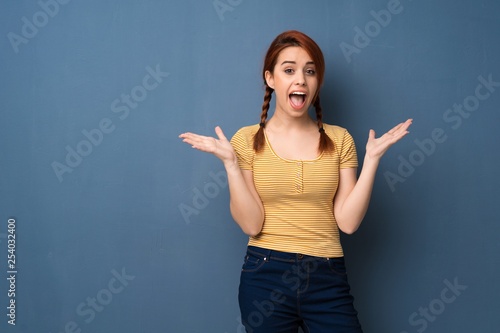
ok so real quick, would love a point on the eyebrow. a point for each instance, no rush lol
(293, 62)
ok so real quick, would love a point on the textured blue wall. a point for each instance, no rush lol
(122, 228)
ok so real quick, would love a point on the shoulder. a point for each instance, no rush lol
(242, 142)
(344, 145)
(249, 130)
(340, 136)
(243, 138)
(246, 133)
(334, 131)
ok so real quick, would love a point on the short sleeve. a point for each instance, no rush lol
(348, 156)
(242, 142)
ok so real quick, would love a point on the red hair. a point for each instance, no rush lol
(282, 41)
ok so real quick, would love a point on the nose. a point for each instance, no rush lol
(300, 80)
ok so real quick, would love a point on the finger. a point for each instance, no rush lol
(404, 126)
(408, 123)
(371, 135)
(189, 135)
(197, 141)
(398, 136)
(191, 138)
(396, 128)
(197, 137)
(400, 129)
(205, 145)
(220, 134)
(403, 130)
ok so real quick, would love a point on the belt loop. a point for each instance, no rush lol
(267, 256)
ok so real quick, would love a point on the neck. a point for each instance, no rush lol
(282, 122)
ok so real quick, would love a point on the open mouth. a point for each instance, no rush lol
(297, 99)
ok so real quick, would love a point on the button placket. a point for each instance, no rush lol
(299, 178)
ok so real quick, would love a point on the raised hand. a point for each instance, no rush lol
(376, 147)
(221, 147)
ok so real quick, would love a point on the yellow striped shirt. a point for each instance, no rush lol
(297, 195)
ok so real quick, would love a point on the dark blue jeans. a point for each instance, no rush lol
(280, 292)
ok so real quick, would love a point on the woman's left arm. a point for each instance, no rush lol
(353, 196)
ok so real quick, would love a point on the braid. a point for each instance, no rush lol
(325, 143)
(258, 139)
(319, 112)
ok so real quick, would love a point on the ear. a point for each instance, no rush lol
(269, 79)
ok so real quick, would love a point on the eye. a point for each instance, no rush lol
(310, 72)
(288, 71)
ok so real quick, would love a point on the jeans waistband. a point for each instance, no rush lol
(268, 254)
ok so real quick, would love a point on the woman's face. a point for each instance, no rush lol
(294, 81)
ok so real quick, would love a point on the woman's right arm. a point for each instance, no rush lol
(245, 204)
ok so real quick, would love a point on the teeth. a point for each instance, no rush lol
(298, 93)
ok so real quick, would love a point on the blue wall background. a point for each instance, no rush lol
(126, 229)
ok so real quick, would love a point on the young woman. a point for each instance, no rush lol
(293, 184)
